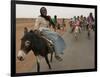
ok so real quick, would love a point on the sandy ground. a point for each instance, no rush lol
(77, 55)
(27, 64)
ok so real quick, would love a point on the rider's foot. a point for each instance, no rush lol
(58, 58)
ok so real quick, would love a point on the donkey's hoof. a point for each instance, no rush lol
(50, 68)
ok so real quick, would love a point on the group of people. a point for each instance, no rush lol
(83, 22)
(44, 23)
(58, 26)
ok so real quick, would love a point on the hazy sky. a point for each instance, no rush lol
(33, 11)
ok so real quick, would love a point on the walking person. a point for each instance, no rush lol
(90, 21)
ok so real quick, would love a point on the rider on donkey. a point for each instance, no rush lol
(76, 23)
(42, 24)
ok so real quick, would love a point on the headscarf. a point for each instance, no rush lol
(46, 17)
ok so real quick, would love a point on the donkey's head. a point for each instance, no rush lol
(26, 45)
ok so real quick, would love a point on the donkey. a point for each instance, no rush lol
(40, 47)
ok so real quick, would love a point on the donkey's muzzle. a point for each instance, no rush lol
(20, 58)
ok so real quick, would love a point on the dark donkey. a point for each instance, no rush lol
(32, 41)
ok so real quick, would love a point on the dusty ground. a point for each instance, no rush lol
(27, 64)
(77, 55)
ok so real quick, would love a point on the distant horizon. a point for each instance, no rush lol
(33, 11)
(35, 18)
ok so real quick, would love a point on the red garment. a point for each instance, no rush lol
(76, 23)
(48, 17)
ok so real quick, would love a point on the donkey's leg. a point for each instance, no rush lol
(88, 34)
(38, 64)
(46, 58)
(51, 56)
(52, 51)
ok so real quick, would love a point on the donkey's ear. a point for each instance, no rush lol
(25, 30)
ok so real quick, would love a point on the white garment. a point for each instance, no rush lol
(43, 28)
(41, 22)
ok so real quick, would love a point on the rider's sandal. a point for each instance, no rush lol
(58, 58)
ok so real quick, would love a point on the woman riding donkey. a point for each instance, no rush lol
(76, 24)
(72, 22)
(42, 24)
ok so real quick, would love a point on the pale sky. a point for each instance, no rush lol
(33, 11)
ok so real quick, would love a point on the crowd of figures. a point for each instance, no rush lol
(82, 23)
(77, 24)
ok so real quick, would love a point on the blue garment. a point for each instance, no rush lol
(58, 41)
